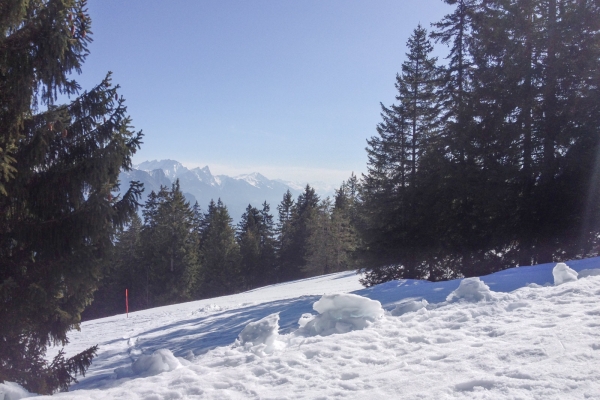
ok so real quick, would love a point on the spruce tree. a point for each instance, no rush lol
(125, 271)
(256, 238)
(533, 63)
(507, 173)
(461, 205)
(417, 93)
(394, 235)
(284, 232)
(331, 238)
(219, 253)
(169, 247)
(59, 166)
(294, 256)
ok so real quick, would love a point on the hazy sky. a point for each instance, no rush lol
(290, 89)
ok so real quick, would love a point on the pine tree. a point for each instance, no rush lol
(394, 234)
(534, 62)
(169, 247)
(461, 209)
(256, 238)
(219, 253)
(417, 93)
(293, 257)
(332, 239)
(507, 174)
(284, 232)
(125, 271)
(59, 165)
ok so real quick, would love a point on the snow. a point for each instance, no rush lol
(254, 179)
(588, 272)
(512, 335)
(562, 274)
(147, 365)
(12, 391)
(471, 289)
(340, 313)
(409, 306)
(260, 336)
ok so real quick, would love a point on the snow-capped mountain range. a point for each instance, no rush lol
(199, 184)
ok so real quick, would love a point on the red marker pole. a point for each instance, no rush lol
(126, 303)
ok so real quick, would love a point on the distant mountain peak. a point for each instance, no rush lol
(255, 179)
(171, 168)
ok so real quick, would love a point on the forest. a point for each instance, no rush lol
(487, 160)
(179, 253)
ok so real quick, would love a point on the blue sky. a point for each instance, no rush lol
(290, 89)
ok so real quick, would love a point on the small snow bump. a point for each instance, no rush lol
(470, 386)
(346, 376)
(563, 273)
(471, 289)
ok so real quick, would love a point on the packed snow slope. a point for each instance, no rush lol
(523, 333)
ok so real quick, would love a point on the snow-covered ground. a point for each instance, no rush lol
(510, 335)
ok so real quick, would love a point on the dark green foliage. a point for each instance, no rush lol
(58, 168)
(256, 238)
(332, 238)
(219, 253)
(157, 261)
(66, 370)
(294, 230)
(125, 271)
(38, 54)
(393, 192)
(508, 174)
(169, 248)
(48, 378)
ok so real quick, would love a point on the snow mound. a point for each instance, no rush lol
(210, 308)
(148, 365)
(13, 391)
(260, 336)
(562, 274)
(588, 272)
(409, 306)
(340, 313)
(471, 289)
(161, 360)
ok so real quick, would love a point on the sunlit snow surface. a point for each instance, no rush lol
(510, 335)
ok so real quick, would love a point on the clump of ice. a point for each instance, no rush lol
(260, 336)
(588, 272)
(471, 289)
(13, 391)
(147, 365)
(562, 273)
(409, 306)
(340, 313)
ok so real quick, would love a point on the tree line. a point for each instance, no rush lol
(180, 253)
(486, 162)
(490, 160)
